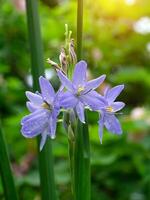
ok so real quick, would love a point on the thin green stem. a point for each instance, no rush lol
(71, 160)
(79, 28)
(46, 169)
(82, 178)
(5, 170)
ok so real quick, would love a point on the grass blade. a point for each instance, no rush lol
(5, 171)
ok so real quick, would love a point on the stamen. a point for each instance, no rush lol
(109, 109)
(45, 105)
(80, 89)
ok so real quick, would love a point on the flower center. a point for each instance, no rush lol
(109, 109)
(45, 105)
(80, 89)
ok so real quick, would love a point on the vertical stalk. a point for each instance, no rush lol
(37, 69)
(5, 171)
(79, 28)
(82, 179)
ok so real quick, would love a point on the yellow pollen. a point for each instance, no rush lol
(46, 106)
(109, 109)
(80, 89)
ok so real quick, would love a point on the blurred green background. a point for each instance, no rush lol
(116, 42)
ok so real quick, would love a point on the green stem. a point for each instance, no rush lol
(46, 169)
(71, 160)
(79, 28)
(82, 177)
(5, 170)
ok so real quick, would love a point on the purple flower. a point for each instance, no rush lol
(108, 110)
(80, 91)
(44, 110)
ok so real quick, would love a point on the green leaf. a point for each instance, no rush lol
(6, 173)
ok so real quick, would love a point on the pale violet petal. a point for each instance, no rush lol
(113, 93)
(58, 97)
(68, 100)
(65, 81)
(43, 139)
(80, 111)
(34, 126)
(47, 90)
(93, 100)
(31, 107)
(93, 84)
(34, 98)
(32, 115)
(79, 76)
(107, 88)
(118, 105)
(112, 124)
(52, 126)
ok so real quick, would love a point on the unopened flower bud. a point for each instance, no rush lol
(72, 54)
(54, 64)
(63, 60)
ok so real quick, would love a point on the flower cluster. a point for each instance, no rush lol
(75, 95)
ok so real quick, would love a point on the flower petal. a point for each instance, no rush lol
(106, 90)
(118, 105)
(112, 124)
(68, 100)
(65, 81)
(93, 84)
(34, 98)
(80, 111)
(34, 126)
(32, 115)
(58, 97)
(113, 93)
(43, 139)
(31, 107)
(47, 90)
(79, 76)
(52, 126)
(94, 100)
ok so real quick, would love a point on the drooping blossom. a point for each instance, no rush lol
(108, 110)
(80, 92)
(44, 108)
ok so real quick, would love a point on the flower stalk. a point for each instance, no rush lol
(82, 175)
(48, 191)
(79, 28)
(5, 169)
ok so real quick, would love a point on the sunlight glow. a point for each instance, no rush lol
(130, 2)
